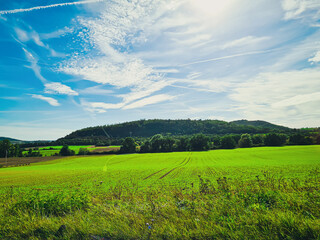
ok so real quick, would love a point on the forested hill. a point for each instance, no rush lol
(148, 128)
(261, 124)
(13, 140)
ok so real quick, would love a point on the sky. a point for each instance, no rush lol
(67, 65)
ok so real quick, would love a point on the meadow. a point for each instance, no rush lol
(254, 193)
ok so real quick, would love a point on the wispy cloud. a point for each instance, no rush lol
(58, 88)
(245, 41)
(96, 90)
(31, 35)
(46, 6)
(225, 57)
(50, 87)
(297, 8)
(150, 100)
(51, 101)
(34, 65)
(101, 107)
(113, 33)
(315, 58)
(280, 96)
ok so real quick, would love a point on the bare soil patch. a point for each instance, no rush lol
(21, 161)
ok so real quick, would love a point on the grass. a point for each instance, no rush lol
(258, 193)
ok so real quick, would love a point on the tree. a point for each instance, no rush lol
(216, 140)
(299, 139)
(183, 144)
(4, 148)
(257, 140)
(156, 143)
(167, 144)
(128, 145)
(145, 147)
(199, 142)
(65, 151)
(228, 142)
(245, 141)
(275, 139)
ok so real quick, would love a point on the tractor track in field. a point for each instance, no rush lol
(182, 164)
(154, 174)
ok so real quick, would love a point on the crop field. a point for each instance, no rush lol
(256, 193)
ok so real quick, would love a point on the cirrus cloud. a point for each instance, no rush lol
(51, 101)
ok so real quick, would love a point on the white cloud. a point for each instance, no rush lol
(245, 41)
(120, 26)
(315, 59)
(148, 101)
(283, 97)
(58, 88)
(96, 90)
(297, 8)
(47, 6)
(299, 99)
(208, 85)
(225, 57)
(34, 65)
(51, 101)
(58, 33)
(25, 36)
(101, 107)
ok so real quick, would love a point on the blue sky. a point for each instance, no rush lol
(66, 65)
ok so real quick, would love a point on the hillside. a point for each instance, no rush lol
(261, 124)
(13, 140)
(148, 128)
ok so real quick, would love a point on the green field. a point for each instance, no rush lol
(266, 193)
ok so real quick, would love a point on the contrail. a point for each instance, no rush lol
(48, 6)
(225, 57)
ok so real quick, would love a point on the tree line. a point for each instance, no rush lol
(201, 142)
(168, 143)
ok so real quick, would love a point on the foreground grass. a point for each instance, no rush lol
(259, 193)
